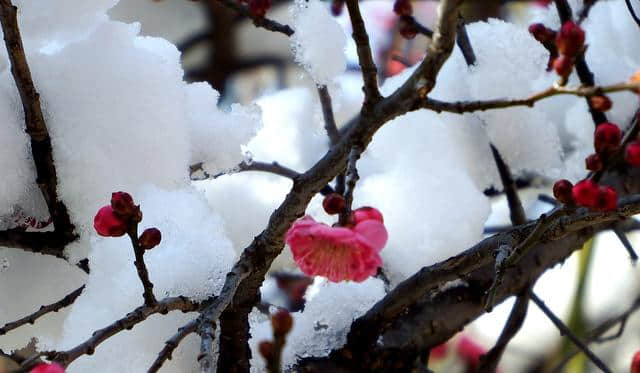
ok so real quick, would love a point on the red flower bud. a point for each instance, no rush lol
(122, 204)
(635, 363)
(562, 190)
(48, 368)
(281, 322)
(259, 7)
(632, 153)
(570, 39)
(593, 162)
(563, 65)
(606, 138)
(334, 203)
(108, 224)
(367, 213)
(600, 102)
(150, 238)
(267, 350)
(402, 7)
(607, 199)
(586, 193)
(541, 33)
(336, 7)
(407, 27)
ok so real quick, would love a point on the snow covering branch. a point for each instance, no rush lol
(52, 243)
(53, 307)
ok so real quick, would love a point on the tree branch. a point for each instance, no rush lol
(34, 120)
(261, 22)
(129, 321)
(53, 307)
(632, 12)
(171, 344)
(564, 330)
(149, 298)
(365, 57)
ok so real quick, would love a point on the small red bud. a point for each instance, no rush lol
(606, 138)
(570, 39)
(635, 363)
(541, 33)
(367, 213)
(600, 102)
(563, 65)
(336, 7)
(632, 153)
(607, 199)
(586, 193)
(48, 368)
(281, 322)
(259, 7)
(593, 163)
(122, 204)
(334, 203)
(402, 7)
(150, 238)
(407, 27)
(562, 190)
(267, 350)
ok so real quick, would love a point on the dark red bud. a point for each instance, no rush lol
(150, 238)
(122, 204)
(267, 350)
(258, 8)
(336, 7)
(542, 33)
(402, 7)
(606, 138)
(600, 102)
(563, 65)
(407, 27)
(570, 39)
(334, 203)
(562, 190)
(593, 163)
(632, 153)
(585, 193)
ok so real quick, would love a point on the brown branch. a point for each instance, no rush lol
(365, 57)
(171, 344)
(489, 361)
(53, 307)
(516, 210)
(586, 8)
(126, 323)
(463, 42)
(582, 69)
(149, 298)
(564, 330)
(622, 237)
(36, 128)
(327, 112)
(48, 243)
(352, 178)
(461, 107)
(206, 358)
(261, 22)
(596, 334)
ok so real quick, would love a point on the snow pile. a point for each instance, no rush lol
(318, 41)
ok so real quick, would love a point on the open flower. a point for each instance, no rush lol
(339, 253)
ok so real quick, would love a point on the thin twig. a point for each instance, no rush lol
(632, 12)
(365, 56)
(586, 8)
(352, 178)
(460, 107)
(622, 236)
(129, 321)
(262, 22)
(327, 112)
(149, 298)
(489, 361)
(53, 307)
(463, 42)
(582, 69)
(171, 344)
(564, 330)
(596, 334)
(515, 204)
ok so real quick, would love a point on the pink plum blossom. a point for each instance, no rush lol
(339, 253)
(48, 368)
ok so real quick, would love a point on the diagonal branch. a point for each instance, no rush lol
(126, 323)
(261, 22)
(149, 298)
(327, 112)
(53, 307)
(365, 57)
(171, 344)
(564, 330)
